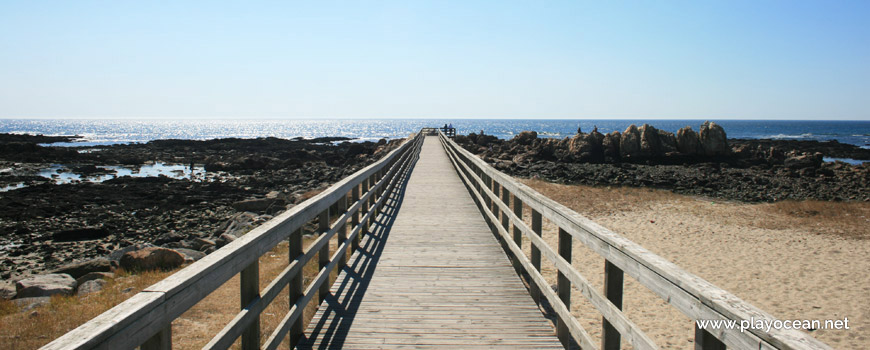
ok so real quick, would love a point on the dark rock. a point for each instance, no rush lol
(258, 205)
(80, 234)
(80, 269)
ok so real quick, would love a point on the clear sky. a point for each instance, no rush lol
(758, 59)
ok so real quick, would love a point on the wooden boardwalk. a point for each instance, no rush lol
(431, 275)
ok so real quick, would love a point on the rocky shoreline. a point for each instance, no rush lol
(46, 225)
(703, 163)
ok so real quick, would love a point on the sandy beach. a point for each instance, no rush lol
(782, 257)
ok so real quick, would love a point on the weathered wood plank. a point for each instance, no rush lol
(436, 278)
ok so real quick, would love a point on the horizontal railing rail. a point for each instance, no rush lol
(696, 298)
(145, 319)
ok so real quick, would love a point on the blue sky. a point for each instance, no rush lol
(411, 59)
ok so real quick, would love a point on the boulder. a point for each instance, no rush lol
(45, 285)
(95, 276)
(525, 138)
(629, 143)
(80, 269)
(91, 286)
(688, 142)
(116, 255)
(713, 139)
(151, 258)
(190, 255)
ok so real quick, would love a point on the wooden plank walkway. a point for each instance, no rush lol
(431, 275)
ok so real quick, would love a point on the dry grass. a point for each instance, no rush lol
(34, 328)
(192, 330)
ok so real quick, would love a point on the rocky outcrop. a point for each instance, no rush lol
(525, 138)
(610, 144)
(45, 286)
(152, 258)
(713, 139)
(688, 142)
(629, 143)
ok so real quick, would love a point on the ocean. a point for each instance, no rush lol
(106, 132)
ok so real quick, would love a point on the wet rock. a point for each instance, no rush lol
(45, 286)
(152, 258)
(713, 139)
(80, 269)
(91, 286)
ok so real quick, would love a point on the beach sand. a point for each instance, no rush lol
(788, 260)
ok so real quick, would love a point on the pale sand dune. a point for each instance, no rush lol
(783, 266)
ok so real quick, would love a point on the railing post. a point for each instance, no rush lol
(296, 287)
(342, 231)
(613, 278)
(536, 253)
(706, 341)
(563, 285)
(354, 221)
(518, 234)
(323, 255)
(364, 207)
(494, 207)
(160, 341)
(250, 290)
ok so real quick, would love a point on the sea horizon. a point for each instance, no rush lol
(116, 131)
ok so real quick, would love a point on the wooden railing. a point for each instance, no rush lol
(145, 319)
(694, 297)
